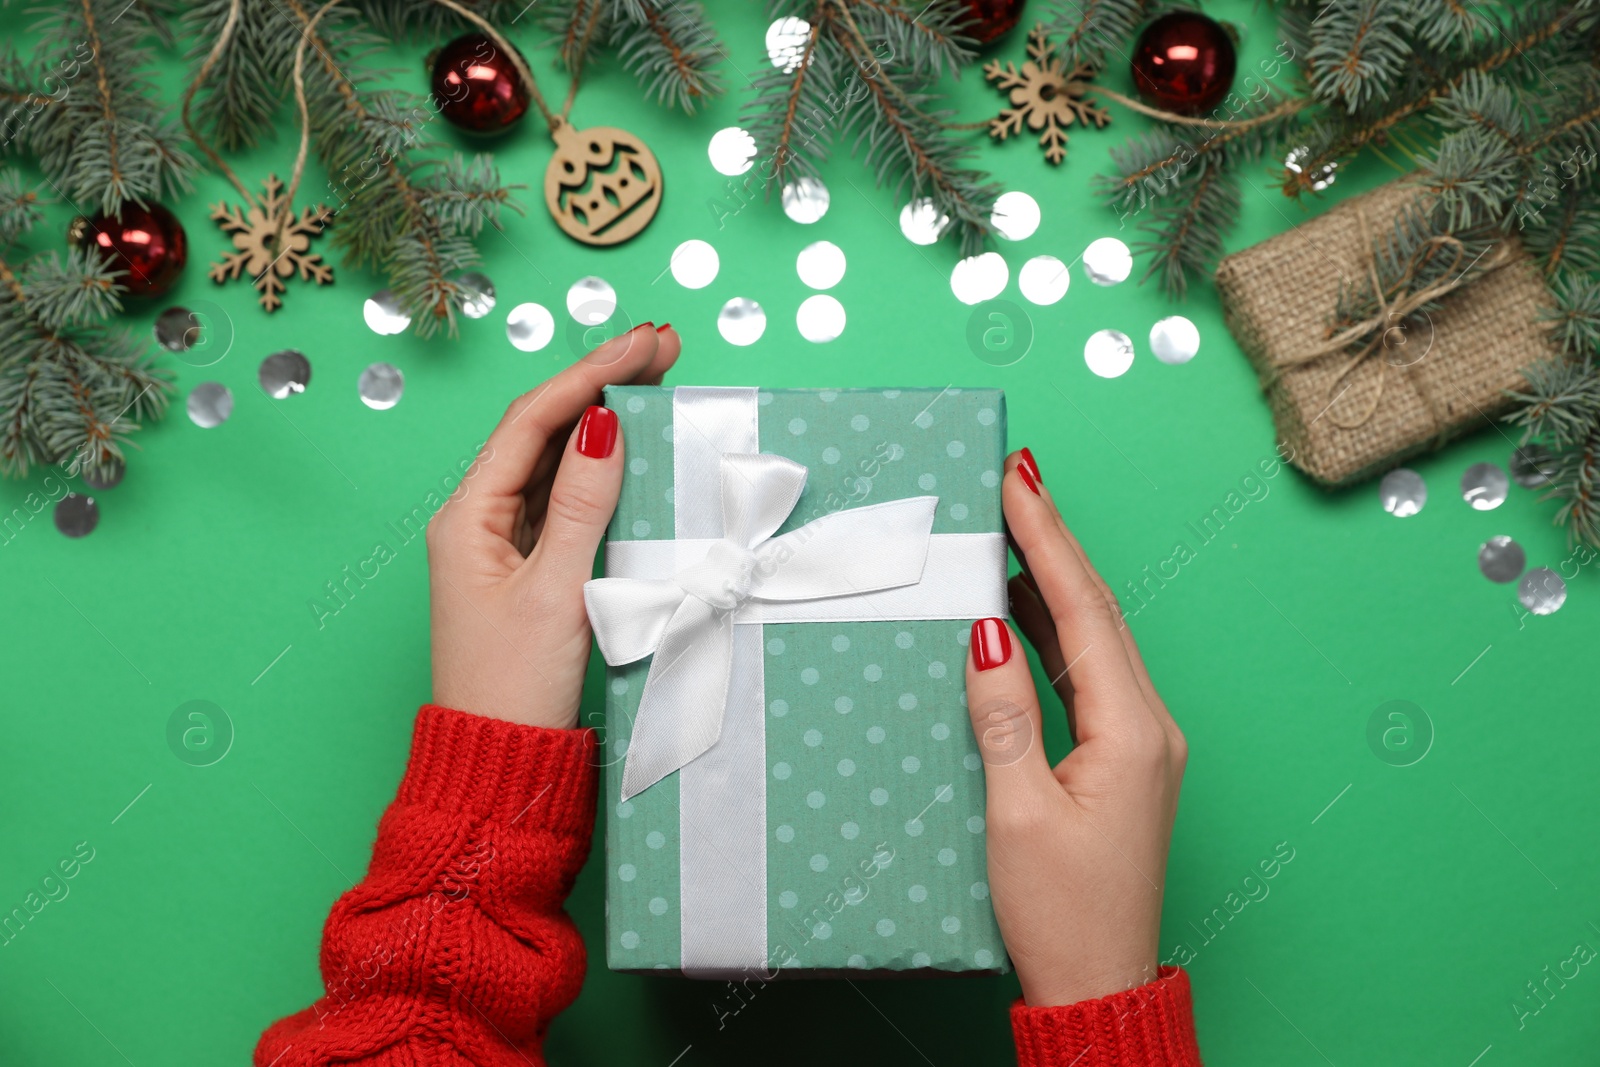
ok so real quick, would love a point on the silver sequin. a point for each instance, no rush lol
(177, 329)
(77, 515)
(384, 314)
(108, 476)
(284, 373)
(921, 222)
(1295, 160)
(380, 386)
(1044, 279)
(1174, 339)
(820, 318)
(732, 151)
(591, 301)
(805, 200)
(210, 404)
(477, 294)
(1015, 216)
(787, 39)
(1107, 261)
(530, 327)
(695, 264)
(1533, 466)
(979, 278)
(1403, 492)
(741, 321)
(1542, 591)
(1109, 353)
(820, 264)
(1501, 559)
(1484, 486)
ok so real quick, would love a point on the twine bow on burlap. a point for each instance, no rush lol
(1372, 333)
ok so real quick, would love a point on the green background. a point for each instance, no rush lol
(1419, 901)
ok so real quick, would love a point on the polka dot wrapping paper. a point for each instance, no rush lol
(875, 829)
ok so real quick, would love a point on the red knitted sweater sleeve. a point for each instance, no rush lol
(455, 948)
(1149, 1026)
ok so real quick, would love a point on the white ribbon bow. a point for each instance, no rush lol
(687, 621)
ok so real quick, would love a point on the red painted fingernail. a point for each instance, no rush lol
(664, 327)
(597, 432)
(991, 644)
(644, 326)
(1028, 461)
(1027, 478)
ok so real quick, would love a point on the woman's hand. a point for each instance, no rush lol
(1078, 851)
(509, 552)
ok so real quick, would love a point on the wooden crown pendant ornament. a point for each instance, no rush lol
(602, 185)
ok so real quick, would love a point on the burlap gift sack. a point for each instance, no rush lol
(1439, 375)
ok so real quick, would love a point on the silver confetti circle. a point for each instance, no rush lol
(380, 386)
(107, 476)
(786, 42)
(1015, 216)
(384, 314)
(1501, 559)
(210, 404)
(820, 264)
(1484, 486)
(1109, 353)
(530, 327)
(695, 264)
(979, 278)
(177, 329)
(741, 321)
(591, 300)
(1403, 492)
(921, 222)
(1107, 261)
(477, 294)
(1044, 279)
(77, 515)
(1533, 466)
(1325, 177)
(820, 318)
(1542, 591)
(284, 373)
(1174, 339)
(732, 151)
(805, 200)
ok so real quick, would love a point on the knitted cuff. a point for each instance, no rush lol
(529, 776)
(1149, 1026)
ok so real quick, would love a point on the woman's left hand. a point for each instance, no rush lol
(509, 552)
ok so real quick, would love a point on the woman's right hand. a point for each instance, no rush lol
(1078, 851)
(510, 551)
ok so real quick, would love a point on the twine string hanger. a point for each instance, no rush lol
(225, 36)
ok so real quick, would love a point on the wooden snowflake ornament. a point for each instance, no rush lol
(1045, 96)
(272, 243)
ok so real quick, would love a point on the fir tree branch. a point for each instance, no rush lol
(106, 139)
(1088, 29)
(70, 386)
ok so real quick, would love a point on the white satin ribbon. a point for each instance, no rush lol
(687, 620)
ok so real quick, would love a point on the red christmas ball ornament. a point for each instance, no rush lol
(476, 86)
(991, 19)
(147, 244)
(1184, 62)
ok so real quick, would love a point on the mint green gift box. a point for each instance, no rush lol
(874, 795)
